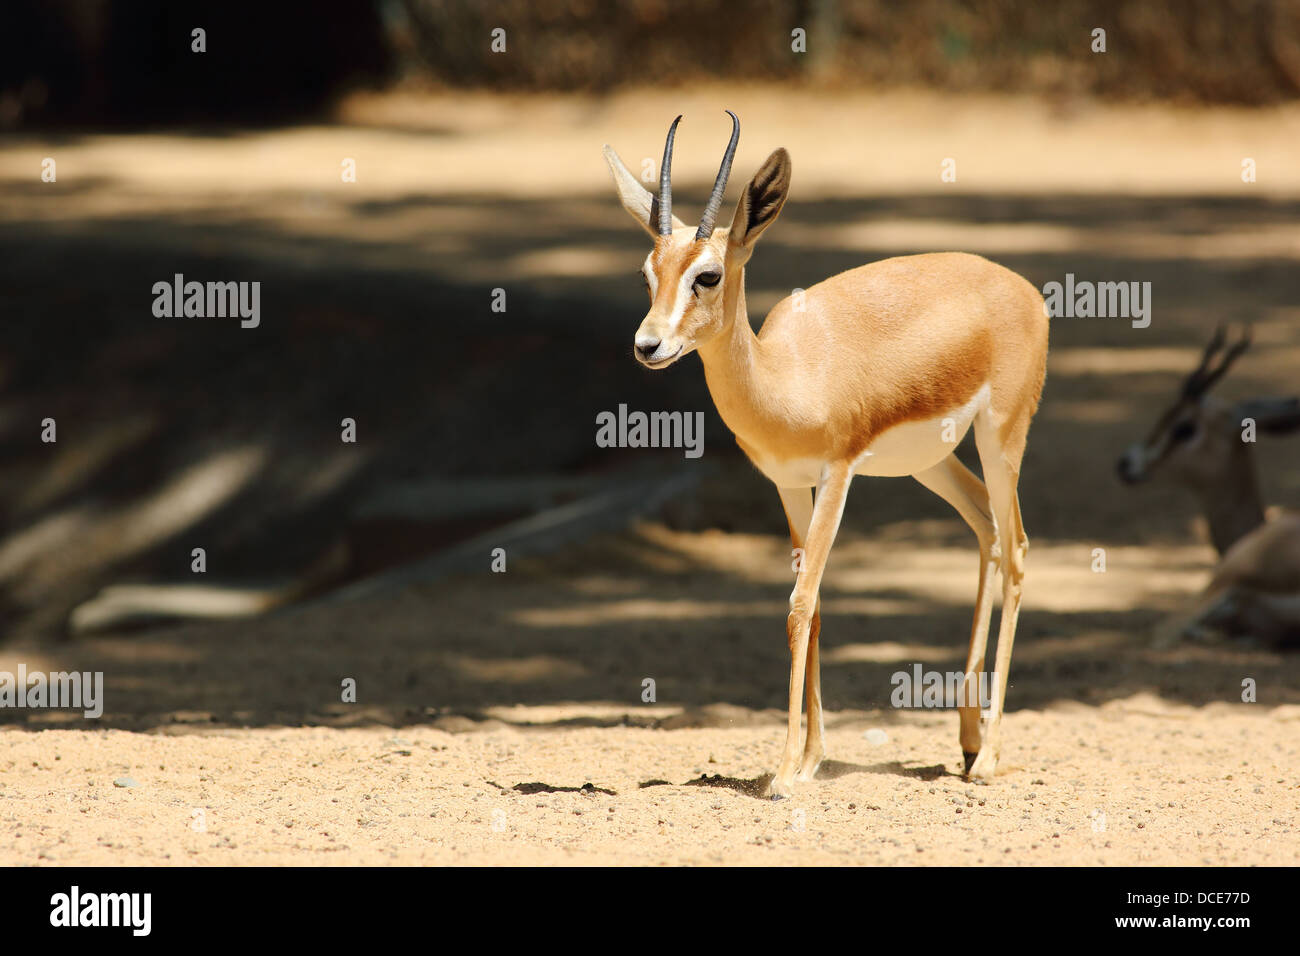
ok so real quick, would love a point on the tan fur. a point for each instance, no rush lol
(828, 381)
(1254, 591)
(899, 342)
(1266, 560)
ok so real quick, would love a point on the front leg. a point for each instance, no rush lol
(832, 491)
(798, 504)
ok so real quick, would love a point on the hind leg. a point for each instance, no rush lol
(956, 484)
(1000, 451)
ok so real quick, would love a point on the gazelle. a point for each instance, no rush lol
(881, 372)
(1198, 443)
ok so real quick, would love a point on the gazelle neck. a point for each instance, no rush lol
(1233, 508)
(729, 358)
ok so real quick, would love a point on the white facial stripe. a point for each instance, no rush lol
(680, 303)
(650, 276)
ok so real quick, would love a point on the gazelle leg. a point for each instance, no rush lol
(798, 504)
(1000, 458)
(826, 513)
(956, 484)
(814, 748)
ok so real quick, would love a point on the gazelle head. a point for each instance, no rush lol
(693, 275)
(1198, 440)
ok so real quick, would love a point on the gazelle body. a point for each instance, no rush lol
(1199, 443)
(880, 371)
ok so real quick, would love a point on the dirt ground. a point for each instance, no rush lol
(485, 709)
(487, 702)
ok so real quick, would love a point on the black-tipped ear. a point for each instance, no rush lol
(762, 200)
(1274, 416)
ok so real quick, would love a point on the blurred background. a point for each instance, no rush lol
(104, 63)
(478, 168)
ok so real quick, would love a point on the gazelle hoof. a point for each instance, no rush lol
(983, 768)
(777, 790)
(969, 756)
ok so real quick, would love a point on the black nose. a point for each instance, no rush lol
(648, 349)
(1124, 470)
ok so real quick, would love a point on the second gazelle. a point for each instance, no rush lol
(881, 372)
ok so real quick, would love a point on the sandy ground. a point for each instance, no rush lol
(485, 707)
(482, 692)
(1136, 783)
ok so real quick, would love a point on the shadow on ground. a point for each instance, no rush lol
(180, 433)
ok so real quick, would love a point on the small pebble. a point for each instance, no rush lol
(125, 782)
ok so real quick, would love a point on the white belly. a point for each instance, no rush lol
(915, 446)
(902, 450)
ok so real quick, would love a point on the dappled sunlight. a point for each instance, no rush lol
(888, 652)
(866, 578)
(464, 187)
(523, 145)
(13, 658)
(569, 261)
(682, 609)
(577, 236)
(76, 462)
(1060, 577)
(599, 585)
(121, 603)
(121, 652)
(80, 540)
(54, 532)
(763, 557)
(195, 492)
(334, 472)
(1140, 360)
(124, 654)
(1280, 241)
(1064, 576)
(1085, 645)
(515, 669)
(1093, 411)
(584, 711)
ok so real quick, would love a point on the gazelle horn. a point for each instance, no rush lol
(720, 184)
(665, 200)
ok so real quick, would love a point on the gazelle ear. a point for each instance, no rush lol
(1274, 416)
(761, 201)
(640, 204)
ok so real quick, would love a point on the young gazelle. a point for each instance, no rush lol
(1198, 443)
(880, 372)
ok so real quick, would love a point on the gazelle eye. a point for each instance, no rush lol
(708, 279)
(1183, 431)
